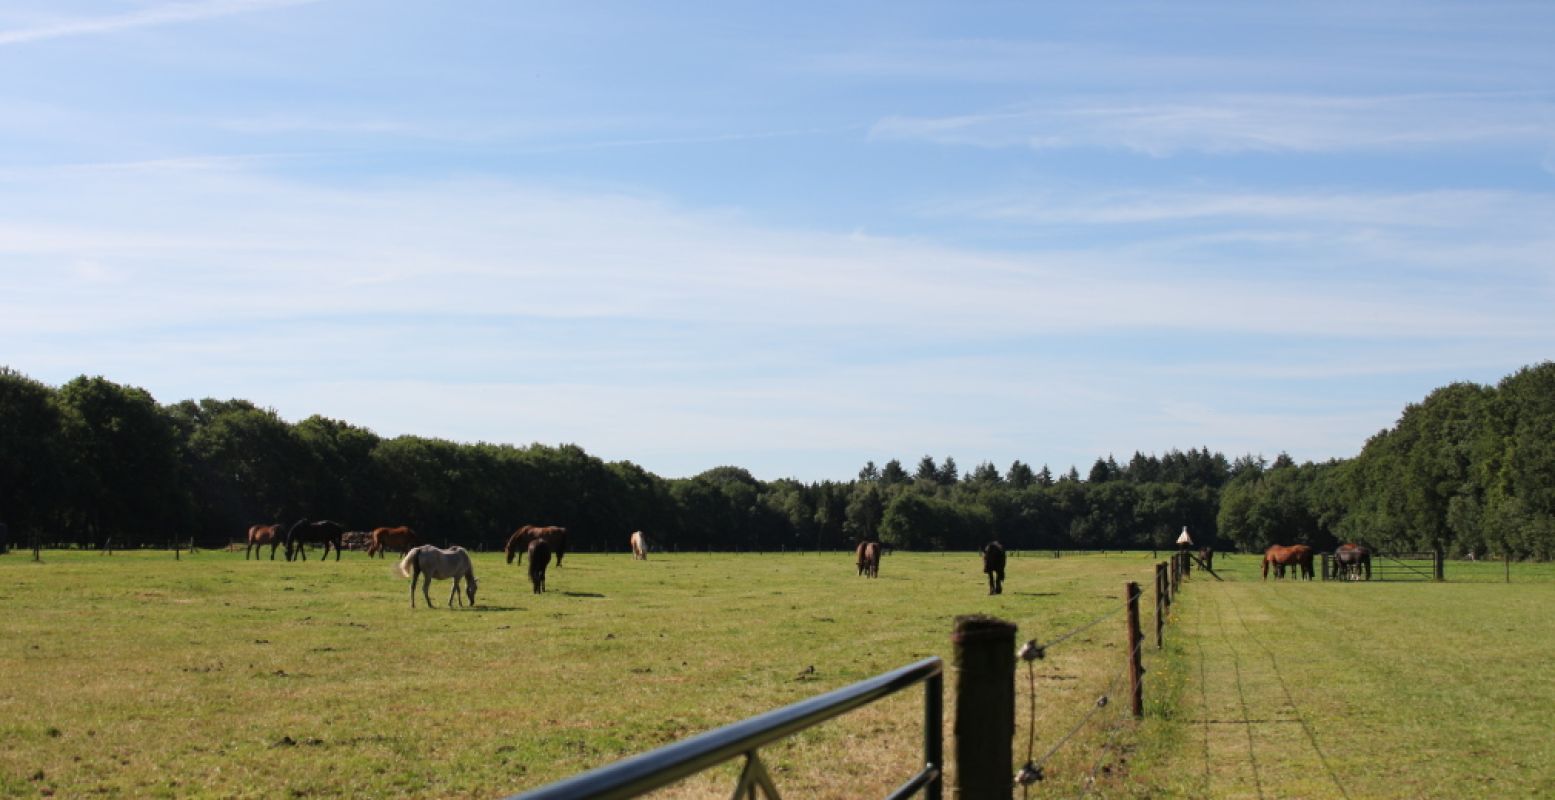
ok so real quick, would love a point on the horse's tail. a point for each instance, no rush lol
(403, 568)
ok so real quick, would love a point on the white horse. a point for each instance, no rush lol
(430, 562)
(639, 546)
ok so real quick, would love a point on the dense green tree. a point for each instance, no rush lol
(33, 464)
(1020, 475)
(124, 465)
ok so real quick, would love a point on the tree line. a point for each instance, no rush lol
(93, 463)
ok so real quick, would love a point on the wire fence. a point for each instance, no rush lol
(1040, 768)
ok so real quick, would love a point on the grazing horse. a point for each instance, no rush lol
(427, 562)
(1352, 561)
(993, 564)
(555, 536)
(1207, 556)
(401, 539)
(539, 558)
(322, 532)
(639, 546)
(869, 558)
(1298, 555)
(261, 535)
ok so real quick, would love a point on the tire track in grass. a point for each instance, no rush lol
(1203, 690)
(1290, 700)
(1241, 693)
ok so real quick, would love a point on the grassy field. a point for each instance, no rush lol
(138, 675)
(1360, 690)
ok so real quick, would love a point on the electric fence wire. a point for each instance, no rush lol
(1032, 771)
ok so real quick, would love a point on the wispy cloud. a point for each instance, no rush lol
(152, 16)
(1221, 124)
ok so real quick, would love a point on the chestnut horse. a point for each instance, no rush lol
(539, 558)
(1297, 555)
(993, 564)
(555, 536)
(322, 532)
(868, 558)
(261, 535)
(401, 539)
(639, 546)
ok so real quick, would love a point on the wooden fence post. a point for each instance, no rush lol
(1160, 602)
(985, 707)
(1436, 557)
(1136, 670)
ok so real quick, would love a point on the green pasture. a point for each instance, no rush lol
(133, 674)
(1359, 690)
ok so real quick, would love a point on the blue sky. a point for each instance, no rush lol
(791, 237)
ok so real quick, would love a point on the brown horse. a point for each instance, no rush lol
(400, 539)
(555, 536)
(303, 532)
(993, 564)
(868, 558)
(261, 535)
(1207, 558)
(1297, 555)
(1352, 562)
(539, 558)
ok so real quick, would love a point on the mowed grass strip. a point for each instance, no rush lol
(212, 676)
(1360, 690)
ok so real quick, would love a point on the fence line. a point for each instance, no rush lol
(1169, 578)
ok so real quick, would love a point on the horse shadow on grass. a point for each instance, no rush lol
(583, 594)
(1036, 594)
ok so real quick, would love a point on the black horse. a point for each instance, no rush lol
(1352, 562)
(993, 564)
(303, 532)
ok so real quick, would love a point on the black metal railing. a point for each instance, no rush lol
(643, 773)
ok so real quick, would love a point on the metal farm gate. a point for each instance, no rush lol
(1420, 567)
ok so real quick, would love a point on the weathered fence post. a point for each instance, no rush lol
(1506, 556)
(985, 707)
(1136, 669)
(1160, 602)
(1437, 567)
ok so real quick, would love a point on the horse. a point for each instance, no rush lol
(639, 546)
(1298, 555)
(539, 558)
(427, 562)
(261, 535)
(401, 539)
(322, 532)
(1207, 557)
(1352, 561)
(555, 536)
(993, 564)
(869, 558)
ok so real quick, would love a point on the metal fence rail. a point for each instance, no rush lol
(643, 773)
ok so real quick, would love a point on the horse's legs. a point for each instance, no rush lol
(453, 594)
(426, 588)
